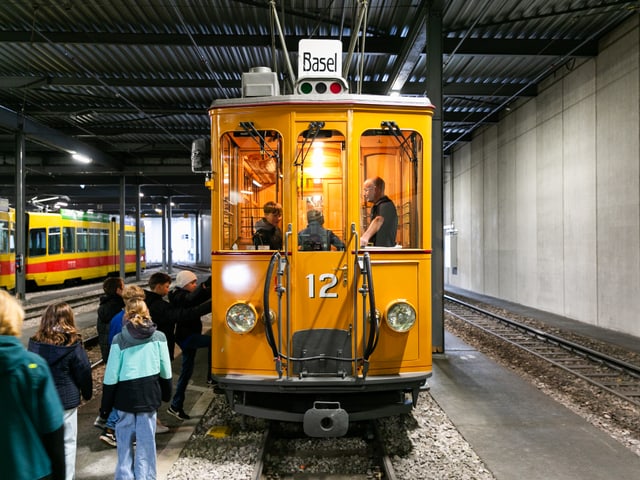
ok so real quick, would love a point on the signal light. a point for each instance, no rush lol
(322, 86)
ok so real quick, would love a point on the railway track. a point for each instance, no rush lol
(603, 371)
(35, 309)
(287, 453)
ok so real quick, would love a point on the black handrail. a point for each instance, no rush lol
(268, 328)
(374, 330)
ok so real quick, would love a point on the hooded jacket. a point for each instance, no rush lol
(32, 440)
(138, 373)
(70, 368)
(110, 305)
(167, 316)
(191, 324)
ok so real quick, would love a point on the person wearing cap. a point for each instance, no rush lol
(315, 236)
(186, 294)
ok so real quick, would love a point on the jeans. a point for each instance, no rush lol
(139, 462)
(70, 437)
(189, 349)
(112, 419)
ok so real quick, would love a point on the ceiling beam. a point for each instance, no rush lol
(39, 133)
(376, 45)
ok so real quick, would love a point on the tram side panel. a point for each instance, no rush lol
(73, 246)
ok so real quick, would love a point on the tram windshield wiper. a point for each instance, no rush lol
(409, 150)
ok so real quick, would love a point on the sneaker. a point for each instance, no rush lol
(109, 437)
(178, 413)
(100, 422)
(160, 428)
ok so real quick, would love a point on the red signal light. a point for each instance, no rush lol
(335, 87)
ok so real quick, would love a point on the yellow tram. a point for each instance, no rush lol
(320, 336)
(70, 246)
(7, 246)
(67, 247)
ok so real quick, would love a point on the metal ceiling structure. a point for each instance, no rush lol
(129, 82)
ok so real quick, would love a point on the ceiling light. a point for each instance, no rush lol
(81, 158)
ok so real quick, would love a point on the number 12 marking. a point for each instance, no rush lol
(330, 281)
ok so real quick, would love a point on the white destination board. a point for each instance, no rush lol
(319, 58)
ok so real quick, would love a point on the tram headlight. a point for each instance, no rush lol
(401, 316)
(241, 317)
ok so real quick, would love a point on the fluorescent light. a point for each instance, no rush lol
(81, 158)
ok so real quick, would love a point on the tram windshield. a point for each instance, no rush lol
(320, 158)
(390, 169)
(252, 176)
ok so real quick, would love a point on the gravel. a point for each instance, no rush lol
(422, 445)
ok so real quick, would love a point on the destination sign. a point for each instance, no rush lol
(319, 58)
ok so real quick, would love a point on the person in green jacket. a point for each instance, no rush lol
(32, 428)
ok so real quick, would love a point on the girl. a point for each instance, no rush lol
(59, 343)
(137, 378)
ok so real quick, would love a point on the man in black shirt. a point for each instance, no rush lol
(384, 218)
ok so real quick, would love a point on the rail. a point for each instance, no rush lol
(608, 373)
(320, 458)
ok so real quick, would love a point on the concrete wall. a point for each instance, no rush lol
(547, 202)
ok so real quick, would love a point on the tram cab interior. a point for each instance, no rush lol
(253, 176)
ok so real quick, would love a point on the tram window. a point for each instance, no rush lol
(37, 242)
(251, 172)
(83, 240)
(396, 158)
(320, 180)
(104, 240)
(129, 240)
(4, 237)
(68, 239)
(54, 240)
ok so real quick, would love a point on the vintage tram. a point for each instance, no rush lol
(319, 335)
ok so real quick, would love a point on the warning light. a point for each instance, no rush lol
(322, 86)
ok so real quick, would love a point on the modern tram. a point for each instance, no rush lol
(67, 247)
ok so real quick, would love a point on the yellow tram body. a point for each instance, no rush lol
(7, 249)
(71, 246)
(319, 356)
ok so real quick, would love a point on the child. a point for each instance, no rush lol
(31, 444)
(60, 344)
(137, 378)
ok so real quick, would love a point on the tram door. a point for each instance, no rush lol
(323, 250)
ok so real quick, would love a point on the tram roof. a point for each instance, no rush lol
(324, 100)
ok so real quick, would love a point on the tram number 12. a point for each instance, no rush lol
(330, 281)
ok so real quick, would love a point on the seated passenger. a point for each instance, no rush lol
(315, 236)
(267, 231)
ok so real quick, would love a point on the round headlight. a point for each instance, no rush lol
(401, 316)
(241, 317)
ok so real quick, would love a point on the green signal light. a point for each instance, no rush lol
(306, 87)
